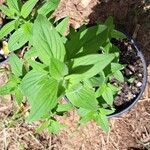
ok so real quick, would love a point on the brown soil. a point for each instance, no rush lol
(129, 132)
(134, 69)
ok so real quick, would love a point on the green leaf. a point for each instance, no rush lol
(18, 95)
(116, 67)
(106, 92)
(109, 23)
(6, 29)
(87, 41)
(118, 35)
(100, 90)
(131, 80)
(57, 68)
(108, 96)
(62, 26)
(98, 81)
(32, 52)
(36, 65)
(14, 78)
(6, 11)
(32, 78)
(87, 83)
(16, 64)
(28, 7)
(83, 112)
(61, 88)
(106, 111)
(64, 107)
(54, 127)
(100, 61)
(43, 101)
(119, 76)
(102, 121)
(88, 117)
(43, 126)
(95, 81)
(115, 50)
(88, 60)
(8, 88)
(48, 7)
(13, 6)
(114, 88)
(107, 47)
(41, 91)
(17, 40)
(17, 24)
(52, 45)
(27, 29)
(83, 97)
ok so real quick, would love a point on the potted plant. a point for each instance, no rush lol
(92, 67)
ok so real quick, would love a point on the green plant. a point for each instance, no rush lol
(79, 65)
(20, 15)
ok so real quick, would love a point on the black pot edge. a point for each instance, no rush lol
(117, 114)
(3, 62)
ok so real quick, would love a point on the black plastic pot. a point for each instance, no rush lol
(130, 104)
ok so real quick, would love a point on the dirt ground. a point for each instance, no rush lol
(130, 131)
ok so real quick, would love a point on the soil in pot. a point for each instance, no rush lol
(134, 69)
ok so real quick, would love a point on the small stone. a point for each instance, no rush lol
(136, 81)
(118, 101)
(135, 90)
(138, 61)
(141, 64)
(131, 68)
(139, 84)
(115, 84)
(129, 47)
(129, 96)
(140, 75)
(134, 96)
(119, 93)
(126, 43)
(128, 72)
